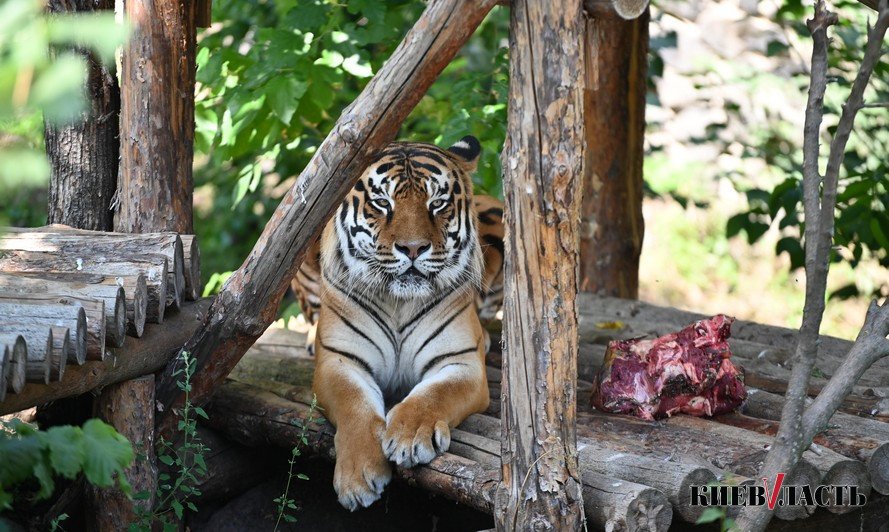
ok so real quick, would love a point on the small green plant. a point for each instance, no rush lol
(286, 505)
(95, 450)
(711, 515)
(56, 524)
(186, 461)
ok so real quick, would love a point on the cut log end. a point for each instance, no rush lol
(878, 467)
(650, 510)
(77, 346)
(192, 256)
(116, 319)
(847, 473)
(804, 474)
(137, 307)
(18, 351)
(681, 500)
(157, 296)
(58, 360)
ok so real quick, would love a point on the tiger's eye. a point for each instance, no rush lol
(436, 204)
(381, 204)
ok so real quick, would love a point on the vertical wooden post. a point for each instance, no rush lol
(612, 228)
(84, 154)
(157, 118)
(129, 407)
(154, 194)
(542, 163)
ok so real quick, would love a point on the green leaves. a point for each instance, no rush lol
(96, 450)
(284, 94)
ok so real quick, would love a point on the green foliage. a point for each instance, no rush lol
(273, 77)
(35, 84)
(185, 463)
(96, 450)
(713, 515)
(862, 223)
(285, 505)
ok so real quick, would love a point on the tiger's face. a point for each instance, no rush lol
(407, 228)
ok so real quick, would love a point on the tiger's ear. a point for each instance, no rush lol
(468, 150)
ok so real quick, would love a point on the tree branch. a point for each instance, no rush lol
(799, 426)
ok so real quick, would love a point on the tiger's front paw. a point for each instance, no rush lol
(362, 471)
(414, 435)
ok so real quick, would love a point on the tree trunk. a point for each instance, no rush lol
(612, 227)
(84, 154)
(542, 163)
(157, 118)
(129, 407)
(249, 300)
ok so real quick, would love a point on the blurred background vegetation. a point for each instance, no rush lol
(727, 84)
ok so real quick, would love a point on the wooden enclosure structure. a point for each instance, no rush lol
(557, 460)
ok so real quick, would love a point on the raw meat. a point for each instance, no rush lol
(687, 371)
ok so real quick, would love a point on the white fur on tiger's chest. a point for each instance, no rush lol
(399, 339)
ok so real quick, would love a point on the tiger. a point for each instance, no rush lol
(395, 287)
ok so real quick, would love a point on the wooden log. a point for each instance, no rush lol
(114, 297)
(856, 437)
(112, 319)
(156, 141)
(84, 153)
(39, 342)
(129, 408)
(542, 165)
(834, 468)
(612, 227)
(862, 402)
(153, 267)
(139, 357)
(61, 313)
(192, 258)
(97, 286)
(110, 247)
(256, 417)
(58, 360)
(607, 501)
(16, 361)
(248, 302)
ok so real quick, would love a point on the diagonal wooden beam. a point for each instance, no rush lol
(249, 299)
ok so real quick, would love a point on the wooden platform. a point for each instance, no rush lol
(279, 364)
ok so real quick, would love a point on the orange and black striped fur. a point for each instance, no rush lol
(399, 345)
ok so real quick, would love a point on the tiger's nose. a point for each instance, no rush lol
(413, 248)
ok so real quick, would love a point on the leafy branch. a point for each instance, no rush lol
(798, 423)
(186, 460)
(284, 503)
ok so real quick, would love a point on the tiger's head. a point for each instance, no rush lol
(407, 228)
